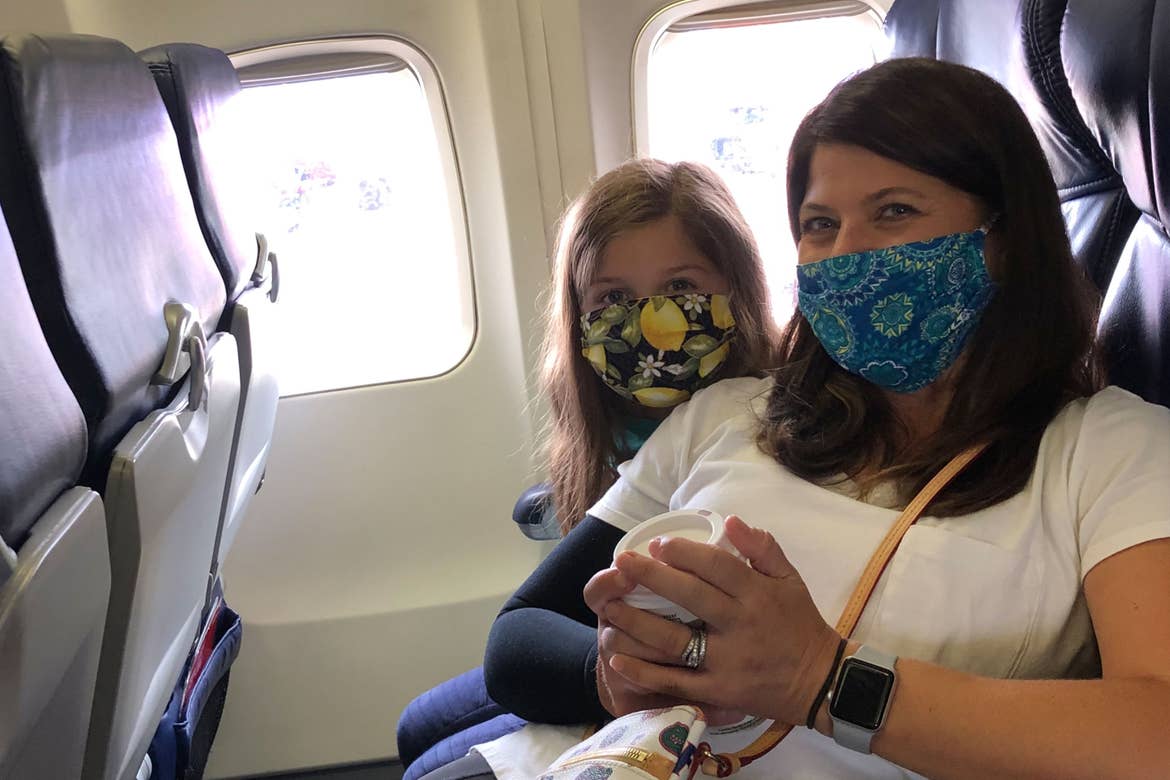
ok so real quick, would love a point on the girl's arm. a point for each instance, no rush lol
(542, 650)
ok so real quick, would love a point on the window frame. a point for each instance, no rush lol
(680, 10)
(361, 48)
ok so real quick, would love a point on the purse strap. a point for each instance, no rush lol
(726, 764)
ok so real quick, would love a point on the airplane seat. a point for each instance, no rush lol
(1116, 59)
(532, 513)
(1017, 43)
(128, 298)
(1101, 157)
(54, 561)
(200, 89)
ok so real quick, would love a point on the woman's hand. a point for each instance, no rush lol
(768, 648)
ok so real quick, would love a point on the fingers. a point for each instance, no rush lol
(645, 635)
(673, 682)
(604, 587)
(613, 641)
(759, 547)
(674, 584)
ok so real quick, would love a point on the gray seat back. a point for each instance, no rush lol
(129, 297)
(54, 565)
(202, 93)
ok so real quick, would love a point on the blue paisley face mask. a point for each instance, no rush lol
(898, 316)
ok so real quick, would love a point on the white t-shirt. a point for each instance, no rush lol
(995, 593)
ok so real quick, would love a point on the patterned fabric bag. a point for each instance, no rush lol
(668, 744)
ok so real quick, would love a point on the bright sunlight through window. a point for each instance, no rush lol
(373, 287)
(731, 97)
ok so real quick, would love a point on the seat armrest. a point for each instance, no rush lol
(534, 513)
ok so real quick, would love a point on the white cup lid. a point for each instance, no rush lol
(700, 525)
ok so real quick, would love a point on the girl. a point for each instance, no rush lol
(659, 291)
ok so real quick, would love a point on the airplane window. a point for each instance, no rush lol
(730, 95)
(374, 287)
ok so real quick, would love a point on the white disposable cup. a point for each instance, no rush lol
(699, 525)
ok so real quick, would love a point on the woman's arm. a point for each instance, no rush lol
(947, 724)
(941, 723)
(542, 650)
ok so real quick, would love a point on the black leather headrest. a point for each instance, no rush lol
(1117, 61)
(1016, 42)
(41, 427)
(201, 91)
(102, 221)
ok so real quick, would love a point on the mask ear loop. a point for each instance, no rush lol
(986, 227)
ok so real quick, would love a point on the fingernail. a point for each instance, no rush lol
(656, 544)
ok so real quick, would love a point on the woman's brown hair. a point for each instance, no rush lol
(1031, 353)
(581, 439)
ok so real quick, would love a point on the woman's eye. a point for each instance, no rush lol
(679, 285)
(815, 225)
(896, 211)
(614, 296)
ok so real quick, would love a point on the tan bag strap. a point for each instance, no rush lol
(726, 764)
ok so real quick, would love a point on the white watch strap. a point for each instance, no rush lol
(851, 735)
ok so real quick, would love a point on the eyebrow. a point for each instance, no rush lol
(672, 270)
(872, 197)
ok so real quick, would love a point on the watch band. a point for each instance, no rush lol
(851, 735)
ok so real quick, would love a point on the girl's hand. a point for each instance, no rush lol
(768, 648)
(618, 695)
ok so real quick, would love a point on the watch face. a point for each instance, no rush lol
(861, 693)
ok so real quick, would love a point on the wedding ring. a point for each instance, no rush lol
(696, 649)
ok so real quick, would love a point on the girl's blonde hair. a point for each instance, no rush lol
(581, 437)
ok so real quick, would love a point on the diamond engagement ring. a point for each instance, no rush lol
(696, 649)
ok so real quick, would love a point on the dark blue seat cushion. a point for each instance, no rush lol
(456, 746)
(443, 711)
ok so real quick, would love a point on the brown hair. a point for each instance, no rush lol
(580, 438)
(1031, 353)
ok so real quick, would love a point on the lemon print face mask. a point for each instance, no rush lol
(658, 351)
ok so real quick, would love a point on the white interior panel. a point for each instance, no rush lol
(52, 616)
(163, 497)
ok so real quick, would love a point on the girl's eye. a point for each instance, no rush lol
(679, 285)
(814, 225)
(896, 211)
(613, 296)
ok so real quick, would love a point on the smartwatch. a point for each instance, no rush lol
(861, 696)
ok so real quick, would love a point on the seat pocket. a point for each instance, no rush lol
(958, 602)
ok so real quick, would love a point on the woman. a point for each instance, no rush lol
(659, 290)
(940, 308)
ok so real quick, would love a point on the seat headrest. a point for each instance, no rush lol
(1017, 43)
(101, 218)
(1117, 62)
(200, 89)
(41, 426)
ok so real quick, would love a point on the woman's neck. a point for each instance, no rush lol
(921, 411)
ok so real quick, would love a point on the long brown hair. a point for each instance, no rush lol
(580, 439)
(1031, 353)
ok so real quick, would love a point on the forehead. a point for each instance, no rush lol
(649, 248)
(846, 172)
